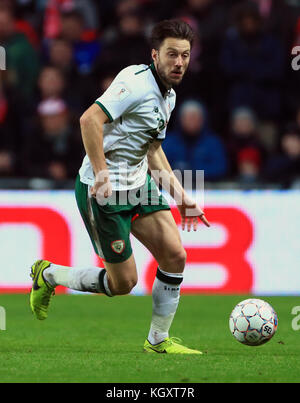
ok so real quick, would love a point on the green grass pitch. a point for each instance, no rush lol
(99, 339)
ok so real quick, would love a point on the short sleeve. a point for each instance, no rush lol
(162, 135)
(120, 97)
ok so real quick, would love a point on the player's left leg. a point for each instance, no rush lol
(47, 276)
(109, 229)
(159, 233)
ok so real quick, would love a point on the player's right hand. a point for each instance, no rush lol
(102, 188)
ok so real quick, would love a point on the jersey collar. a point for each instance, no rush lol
(163, 89)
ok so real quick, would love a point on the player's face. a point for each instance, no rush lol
(171, 60)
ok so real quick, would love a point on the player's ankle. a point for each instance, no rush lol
(48, 277)
(155, 337)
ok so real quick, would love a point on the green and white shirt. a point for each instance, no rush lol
(138, 107)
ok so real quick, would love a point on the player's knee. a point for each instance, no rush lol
(181, 258)
(178, 259)
(125, 286)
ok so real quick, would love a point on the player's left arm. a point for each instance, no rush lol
(162, 173)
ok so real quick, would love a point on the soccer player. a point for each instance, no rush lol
(122, 134)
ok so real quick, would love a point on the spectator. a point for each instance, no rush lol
(51, 83)
(61, 55)
(90, 13)
(209, 15)
(285, 166)
(79, 89)
(248, 165)
(275, 16)
(194, 146)
(85, 47)
(53, 9)
(243, 135)
(253, 62)
(8, 134)
(27, 21)
(128, 46)
(22, 59)
(204, 76)
(127, 7)
(54, 150)
(242, 71)
(292, 76)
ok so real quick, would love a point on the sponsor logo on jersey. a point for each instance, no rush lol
(120, 92)
(161, 123)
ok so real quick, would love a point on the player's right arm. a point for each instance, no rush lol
(124, 93)
(91, 124)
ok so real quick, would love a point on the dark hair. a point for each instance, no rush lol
(171, 29)
(291, 128)
(74, 14)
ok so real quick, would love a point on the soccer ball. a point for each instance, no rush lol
(253, 322)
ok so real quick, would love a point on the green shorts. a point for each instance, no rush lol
(109, 225)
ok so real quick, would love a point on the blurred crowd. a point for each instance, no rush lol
(238, 107)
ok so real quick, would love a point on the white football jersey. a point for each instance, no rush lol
(138, 107)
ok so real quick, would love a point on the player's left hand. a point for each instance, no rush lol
(190, 213)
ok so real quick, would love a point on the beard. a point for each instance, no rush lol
(169, 82)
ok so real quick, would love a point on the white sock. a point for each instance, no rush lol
(80, 279)
(165, 300)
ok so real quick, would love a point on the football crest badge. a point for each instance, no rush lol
(118, 246)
